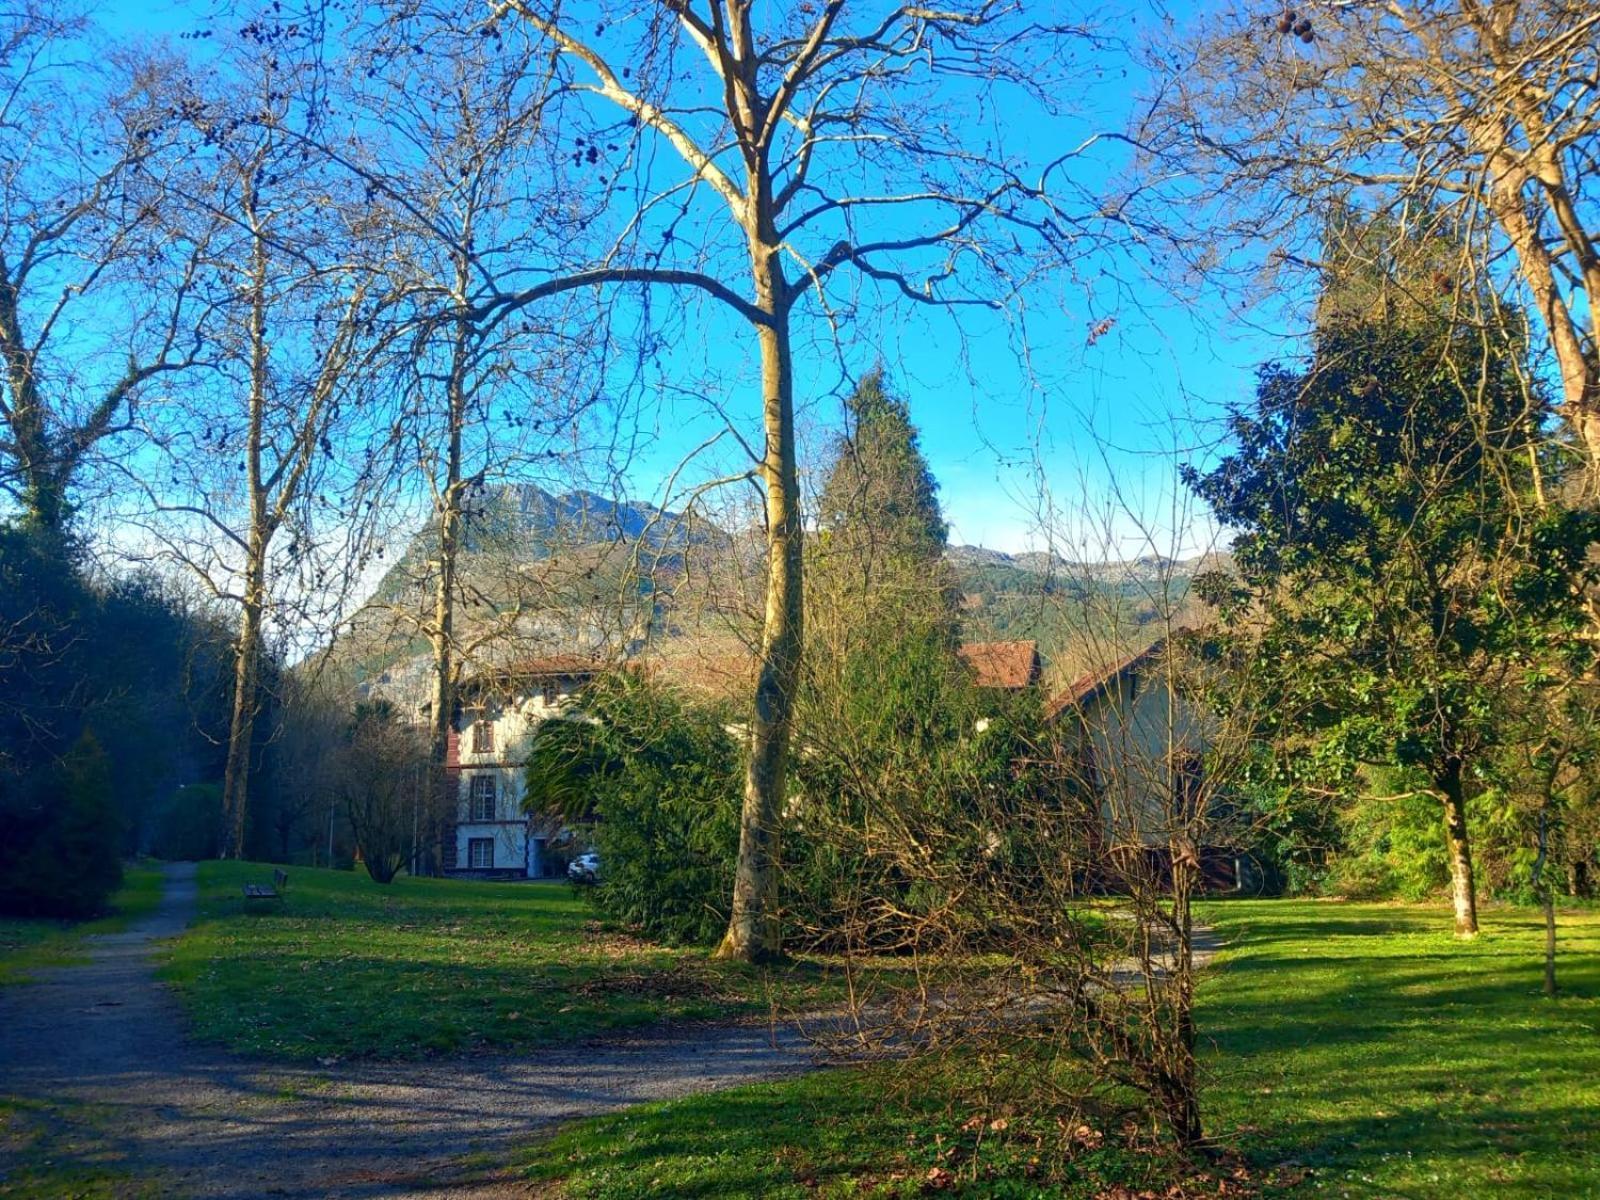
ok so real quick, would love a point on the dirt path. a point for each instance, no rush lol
(205, 1124)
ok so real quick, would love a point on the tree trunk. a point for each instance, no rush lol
(247, 651)
(753, 929)
(443, 711)
(1463, 891)
(1182, 1099)
(444, 594)
(241, 727)
(1549, 939)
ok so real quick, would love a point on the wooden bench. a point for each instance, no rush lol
(261, 891)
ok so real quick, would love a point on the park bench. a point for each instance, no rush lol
(274, 891)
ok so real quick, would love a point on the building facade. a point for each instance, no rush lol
(496, 715)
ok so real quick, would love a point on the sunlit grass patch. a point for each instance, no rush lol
(344, 967)
(29, 945)
(1350, 1050)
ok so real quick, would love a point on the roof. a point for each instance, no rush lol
(553, 666)
(1008, 665)
(1088, 686)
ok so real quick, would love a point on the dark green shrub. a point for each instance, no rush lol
(187, 825)
(661, 780)
(59, 853)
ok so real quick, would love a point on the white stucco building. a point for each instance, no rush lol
(495, 717)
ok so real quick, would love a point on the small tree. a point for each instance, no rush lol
(60, 856)
(659, 778)
(381, 772)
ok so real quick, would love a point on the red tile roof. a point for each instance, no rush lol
(1086, 687)
(553, 666)
(1009, 665)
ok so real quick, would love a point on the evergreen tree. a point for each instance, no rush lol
(878, 511)
(1395, 571)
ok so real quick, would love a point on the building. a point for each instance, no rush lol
(496, 713)
(1136, 746)
(1006, 666)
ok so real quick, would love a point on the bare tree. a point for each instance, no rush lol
(1269, 115)
(300, 306)
(97, 299)
(810, 144)
(454, 146)
(379, 770)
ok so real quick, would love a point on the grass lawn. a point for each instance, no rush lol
(345, 967)
(1353, 1050)
(1364, 1042)
(28, 945)
(59, 1152)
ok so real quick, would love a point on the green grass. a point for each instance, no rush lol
(345, 967)
(1351, 1050)
(1367, 1044)
(61, 1152)
(30, 945)
(836, 1133)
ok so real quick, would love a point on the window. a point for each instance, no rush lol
(482, 736)
(549, 693)
(482, 806)
(480, 853)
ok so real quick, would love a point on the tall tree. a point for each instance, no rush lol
(270, 455)
(457, 149)
(811, 141)
(97, 299)
(1399, 572)
(879, 505)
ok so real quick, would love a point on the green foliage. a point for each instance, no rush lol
(1397, 582)
(1393, 841)
(63, 858)
(187, 826)
(131, 659)
(899, 782)
(880, 496)
(662, 780)
(904, 780)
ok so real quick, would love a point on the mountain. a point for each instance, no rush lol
(576, 572)
(1144, 570)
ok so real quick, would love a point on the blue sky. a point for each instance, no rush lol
(1008, 410)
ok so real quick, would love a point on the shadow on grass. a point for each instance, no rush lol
(1374, 1046)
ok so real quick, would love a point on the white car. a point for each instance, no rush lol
(585, 868)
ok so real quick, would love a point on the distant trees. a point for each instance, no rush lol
(110, 696)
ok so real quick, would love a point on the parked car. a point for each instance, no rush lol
(585, 868)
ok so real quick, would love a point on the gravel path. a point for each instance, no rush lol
(206, 1124)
